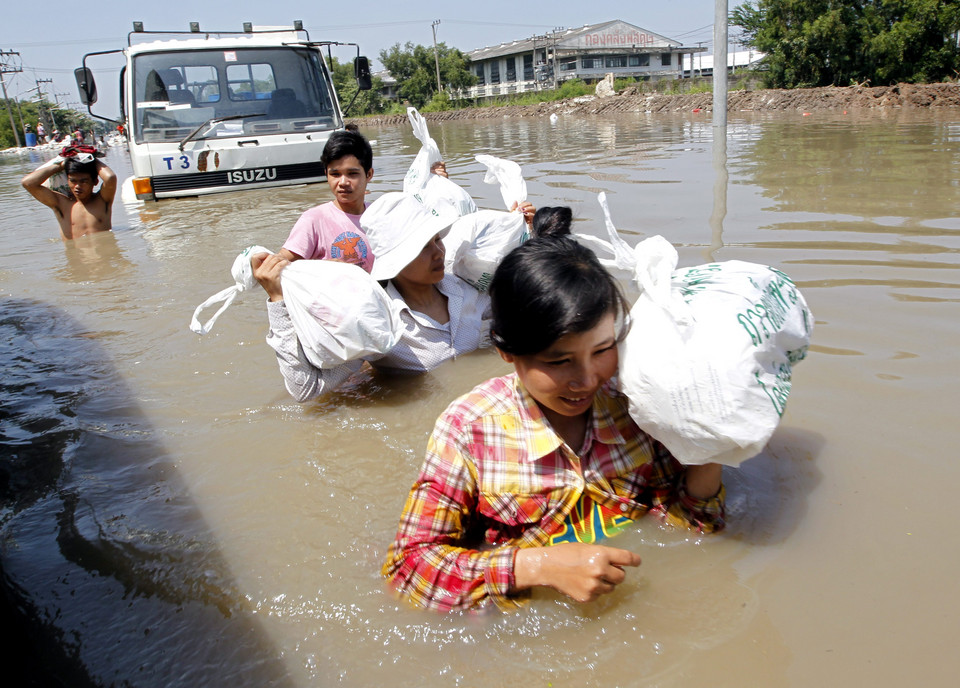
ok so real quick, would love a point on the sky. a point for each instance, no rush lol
(52, 37)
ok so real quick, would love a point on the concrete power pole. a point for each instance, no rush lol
(720, 64)
(40, 103)
(9, 69)
(436, 57)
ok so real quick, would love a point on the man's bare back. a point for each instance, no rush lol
(83, 211)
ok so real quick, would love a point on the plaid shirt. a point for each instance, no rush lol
(497, 477)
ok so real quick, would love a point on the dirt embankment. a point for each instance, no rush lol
(945, 95)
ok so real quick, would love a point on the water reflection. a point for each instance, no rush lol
(108, 567)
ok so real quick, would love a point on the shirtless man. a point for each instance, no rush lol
(83, 211)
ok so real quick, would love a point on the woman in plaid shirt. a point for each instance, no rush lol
(527, 473)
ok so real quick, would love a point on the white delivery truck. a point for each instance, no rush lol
(206, 112)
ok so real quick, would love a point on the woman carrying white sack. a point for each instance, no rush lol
(443, 316)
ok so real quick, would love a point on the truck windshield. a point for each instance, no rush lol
(275, 90)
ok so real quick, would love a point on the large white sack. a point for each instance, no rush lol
(476, 244)
(431, 189)
(707, 363)
(339, 311)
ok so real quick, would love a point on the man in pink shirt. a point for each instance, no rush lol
(332, 230)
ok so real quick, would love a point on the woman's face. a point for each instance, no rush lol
(564, 378)
(427, 267)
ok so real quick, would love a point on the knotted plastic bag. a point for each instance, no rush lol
(431, 189)
(708, 361)
(340, 313)
(243, 279)
(476, 243)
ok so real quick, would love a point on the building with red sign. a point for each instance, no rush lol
(588, 53)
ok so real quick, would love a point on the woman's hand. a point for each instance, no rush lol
(266, 269)
(526, 207)
(581, 571)
(440, 168)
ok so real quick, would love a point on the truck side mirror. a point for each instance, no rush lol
(86, 84)
(361, 70)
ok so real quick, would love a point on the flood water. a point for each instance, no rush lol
(172, 517)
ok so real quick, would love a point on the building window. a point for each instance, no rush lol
(528, 67)
(591, 62)
(638, 61)
(568, 65)
(479, 72)
(665, 59)
(511, 69)
(495, 72)
(616, 61)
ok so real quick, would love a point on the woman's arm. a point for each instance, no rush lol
(688, 495)
(302, 379)
(428, 561)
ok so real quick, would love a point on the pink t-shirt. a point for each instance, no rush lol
(328, 232)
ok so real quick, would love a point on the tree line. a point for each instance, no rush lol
(30, 112)
(844, 42)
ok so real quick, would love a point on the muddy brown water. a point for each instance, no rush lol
(839, 563)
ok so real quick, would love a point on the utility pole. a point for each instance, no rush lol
(720, 66)
(9, 69)
(436, 57)
(40, 102)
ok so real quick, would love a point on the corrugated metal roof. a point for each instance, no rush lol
(606, 36)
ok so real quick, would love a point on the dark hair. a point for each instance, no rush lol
(552, 221)
(547, 288)
(344, 143)
(72, 166)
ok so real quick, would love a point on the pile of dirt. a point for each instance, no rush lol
(946, 95)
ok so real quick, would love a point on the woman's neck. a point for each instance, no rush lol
(572, 429)
(423, 298)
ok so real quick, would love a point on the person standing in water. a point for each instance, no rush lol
(84, 211)
(526, 475)
(442, 316)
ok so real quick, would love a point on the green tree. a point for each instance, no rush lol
(415, 69)
(64, 120)
(367, 102)
(838, 42)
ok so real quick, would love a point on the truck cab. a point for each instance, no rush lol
(213, 112)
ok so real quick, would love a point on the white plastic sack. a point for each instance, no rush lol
(614, 253)
(58, 182)
(243, 280)
(339, 311)
(506, 173)
(431, 189)
(476, 244)
(707, 363)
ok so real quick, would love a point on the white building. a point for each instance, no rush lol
(702, 65)
(588, 53)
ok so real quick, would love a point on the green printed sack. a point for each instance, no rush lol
(707, 363)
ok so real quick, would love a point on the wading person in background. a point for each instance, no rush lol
(526, 473)
(84, 211)
(332, 230)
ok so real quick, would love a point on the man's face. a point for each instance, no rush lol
(348, 182)
(81, 186)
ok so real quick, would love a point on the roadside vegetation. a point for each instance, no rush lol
(811, 43)
(30, 112)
